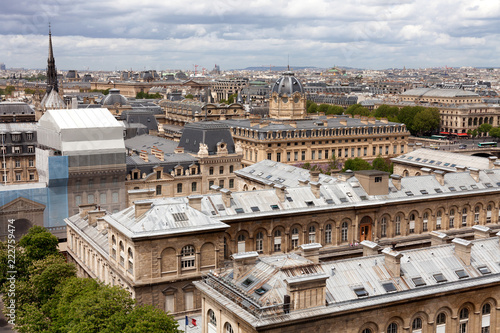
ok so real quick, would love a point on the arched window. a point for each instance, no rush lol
(397, 225)
(179, 188)
(295, 238)
(187, 256)
(113, 246)
(328, 234)
(241, 243)
(485, 318)
(312, 234)
(464, 217)
(392, 328)
(130, 260)
(259, 242)
(488, 214)
(277, 241)
(464, 320)
(425, 221)
(476, 215)
(412, 223)
(212, 322)
(367, 330)
(441, 323)
(416, 325)
(452, 218)
(228, 328)
(439, 218)
(383, 227)
(122, 254)
(344, 231)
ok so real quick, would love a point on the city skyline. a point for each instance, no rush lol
(370, 34)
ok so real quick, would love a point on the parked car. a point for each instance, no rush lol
(462, 147)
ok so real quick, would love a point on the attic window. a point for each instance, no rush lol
(439, 163)
(409, 193)
(247, 282)
(439, 278)
(438, 190)
(275, 207)
(261, 291)
(239, 211)
(461, 274)
(418, 282)
(389, 287)
(255, 209)
(484, 270)
(309, 203)
(360, 292)
(452, 189)
(289, 199)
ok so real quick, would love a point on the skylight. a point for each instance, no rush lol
(289, 199)
(439, 277)
(438, 190)
(389, 287)
(461, 274)
(418, 281)
(452, 189)
(309, 203)
(409, 193)
(255, 209)
(463, 188)
(275, 207)
(239, 211)
(360, 292)
(484, 270)
(424, 192)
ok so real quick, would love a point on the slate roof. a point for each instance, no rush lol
(207, 132)
(441, 160)
(435, 92)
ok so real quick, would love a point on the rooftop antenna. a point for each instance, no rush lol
(288, 62)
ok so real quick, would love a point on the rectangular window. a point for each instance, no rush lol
(18, 164)
(296, 156)
(221, 183)
(32, 176)
(352, 151)
(102, 198)
(114, 197)
(288, 157)
(378, 179)
(313, 155)
(359, 152)
(18, 177)
(394, 149)
(169, 303)
(320, 153)
(278, 157)
(374, 151)
(90, 198)
(402, 149)
(31, 149)
(326, 154)
(31, 163)
(365, 151)
(303, 155)
(231, 183)
(16, 150)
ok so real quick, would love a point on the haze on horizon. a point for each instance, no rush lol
(373, 34)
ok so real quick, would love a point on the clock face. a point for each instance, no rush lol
(285, 99)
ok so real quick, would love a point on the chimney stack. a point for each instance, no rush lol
(474, 172)
(438, 238)
(369, 248)
(226, 197)
(425, 171)
(311, 251)
(460, 168)
(243, 262)
(85, 208)
(303, 182)
(144, 155)
(481, 231)
(280, 192)
(396, 181)
(492, 160)
(463, 249)
(195, 201)
(142, 207)
(392, 261)
(315, 176)
(439, 176)
(315, 189)
(93, 215)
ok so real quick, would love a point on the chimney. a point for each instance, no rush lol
(306, 291)
(369, 248)
(214, 188)
(315, 189)
(84, 209)
(343, 122)
(463, 249)
(243, 262)
(372, 120)
(396, 181)
(481, 231)
(497, 165)
(303, 182)
(439, 176)
(280, 192)
(384, 120)
(144, 155)
(179, 150)
(425, 171)
(314, 175)
(492, 160)
(101, 224)
(364, 120)
(460, 168)
(142, 207)
(195, 201)
(226, 197)
(438, 238)
(311, 251)
(74, 103)
(93, 215)
(392, 261)
(474, 173)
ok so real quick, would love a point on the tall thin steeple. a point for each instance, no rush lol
(52, 83)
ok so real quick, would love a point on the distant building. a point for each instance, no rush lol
(223, 88)
(2, 66)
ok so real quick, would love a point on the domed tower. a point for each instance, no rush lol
(288, 99)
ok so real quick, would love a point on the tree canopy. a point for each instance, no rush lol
(495, 132)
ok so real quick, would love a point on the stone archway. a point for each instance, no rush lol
(365, 229)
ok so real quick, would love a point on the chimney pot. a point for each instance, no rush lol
(463, 249)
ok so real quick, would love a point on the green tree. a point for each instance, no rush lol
(231, 98)
(484, 128)
(356, 164)
(382, 164)
(38, 243)
(407, 115)
(426, 120)
(311, 107)
(386, 111)
(145, 319)
(495, 132)
(357, 109)
(189, 96)
(335, 109)
(323, 108)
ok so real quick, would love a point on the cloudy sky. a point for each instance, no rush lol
(168, 34)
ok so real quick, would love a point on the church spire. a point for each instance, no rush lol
(52, 83)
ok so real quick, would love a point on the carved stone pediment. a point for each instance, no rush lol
(21, 205)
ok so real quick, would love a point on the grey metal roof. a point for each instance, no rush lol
(15, 108)
(436, 92)
(145, 142)
(114, 97)
(207, 132)
(287, 85)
